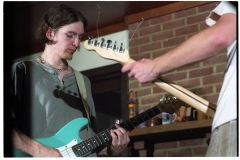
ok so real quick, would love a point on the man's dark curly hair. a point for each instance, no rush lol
(56, 17)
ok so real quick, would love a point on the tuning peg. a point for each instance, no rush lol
(102, 43)
(121, 50)
(109, 46)
(115, 48)
(90, 40)
(96, 43)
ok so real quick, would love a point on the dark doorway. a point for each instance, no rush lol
(110, 94)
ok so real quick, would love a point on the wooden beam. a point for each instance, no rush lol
(170, 8)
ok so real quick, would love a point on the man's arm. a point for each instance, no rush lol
(28, 145)
(202, 45)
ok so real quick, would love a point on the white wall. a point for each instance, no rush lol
(84, 59)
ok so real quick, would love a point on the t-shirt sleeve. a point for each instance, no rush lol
(223, 8)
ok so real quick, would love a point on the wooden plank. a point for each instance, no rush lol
(170, 8)
(171, 127)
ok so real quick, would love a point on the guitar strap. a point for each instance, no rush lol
(82, 90)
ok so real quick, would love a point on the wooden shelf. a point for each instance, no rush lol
(175, 131)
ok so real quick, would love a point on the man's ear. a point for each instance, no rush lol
(50, 33)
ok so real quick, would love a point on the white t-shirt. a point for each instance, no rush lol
(227, 101)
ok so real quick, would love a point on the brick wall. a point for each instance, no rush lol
(155, 37)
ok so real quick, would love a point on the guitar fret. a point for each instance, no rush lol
(89, 144)
(77, 149)
(145, 116)
(86, 146)
(104, 137)
(134, 121)
(94, 141)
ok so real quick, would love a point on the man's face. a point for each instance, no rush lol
(68, 39)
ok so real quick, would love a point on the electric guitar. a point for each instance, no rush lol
(110, 51)
(69, 144)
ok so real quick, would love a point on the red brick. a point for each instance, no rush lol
(213, 79)
(221, 68)
(161, 19)
(191, 142)
(186, 30)
(197, 18)
(190, 66)
(160, 52)
(185, 13)
(134, 85)
(162, 35)
(133, 51)
(180, 153)
(158, 90)
(150, 100)
(213, 99)
(215, 60)
(204, 90)
(173, 24)
(151, 46)
(165, 145)
(218, 88)
(188, 83)
(173, 41)
(139, 41)
(141, 56)
(150, 84)
(133, 34)
(200, 151)
(176, 76)
(200, 72)
(143, 92)
(133, 26)
(203, 26)
(150, 30)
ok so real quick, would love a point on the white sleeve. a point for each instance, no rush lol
(223, 8)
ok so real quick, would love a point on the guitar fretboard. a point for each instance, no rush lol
(87, 146)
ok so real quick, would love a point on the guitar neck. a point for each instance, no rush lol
(87, 146)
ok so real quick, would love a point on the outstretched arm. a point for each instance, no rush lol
(202, 45)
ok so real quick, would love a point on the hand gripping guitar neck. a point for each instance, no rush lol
(122, 56)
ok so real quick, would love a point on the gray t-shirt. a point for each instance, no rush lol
(43, 105)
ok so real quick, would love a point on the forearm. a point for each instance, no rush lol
(28, 145)
(23, 142)
(205, 44)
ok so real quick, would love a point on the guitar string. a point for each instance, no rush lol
(98, 20)
(132, 34)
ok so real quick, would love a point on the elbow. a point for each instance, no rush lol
(221, 42)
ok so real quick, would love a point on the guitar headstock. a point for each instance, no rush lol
(170, 104)
(108, 50)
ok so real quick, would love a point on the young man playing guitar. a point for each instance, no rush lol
(46, 92)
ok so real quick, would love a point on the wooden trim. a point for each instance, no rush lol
(170, 8)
